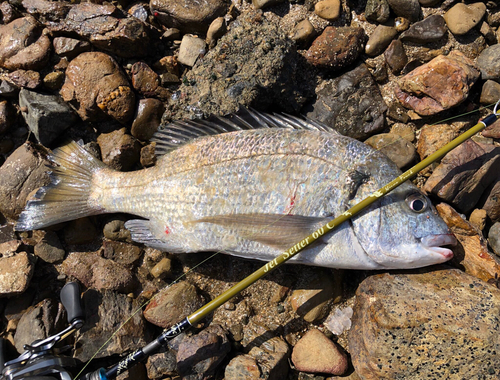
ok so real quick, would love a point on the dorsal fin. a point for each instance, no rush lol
(181, 132)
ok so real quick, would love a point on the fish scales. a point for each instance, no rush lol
(255, 193)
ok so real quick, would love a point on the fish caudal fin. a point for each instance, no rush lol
(68, 196)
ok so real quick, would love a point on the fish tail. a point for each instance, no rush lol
(69, 195)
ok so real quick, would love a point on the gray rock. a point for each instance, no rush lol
(242, 367)
(399, 150)
(431, 29)
(489, 62)
(429, 325)
(494, 238)
(47, 116)
(380, 39)
(160, 365)
(490, 92)
(395, 56)
(50, 249)
(7, 116)
(377, 11)
(351, 103)
(199, 355)
(120, 252)
(272, 358)
(15, 274)
(191, 48)
(409, 9)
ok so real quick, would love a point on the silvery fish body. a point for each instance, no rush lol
(253, 193)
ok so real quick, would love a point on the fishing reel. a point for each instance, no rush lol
(41, 360)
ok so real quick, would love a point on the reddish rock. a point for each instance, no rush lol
(242, 367)
(336, 48)
(437, 85)
(25, 78)
(119, 150)
(493, 130)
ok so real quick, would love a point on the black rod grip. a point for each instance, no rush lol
(70, 298)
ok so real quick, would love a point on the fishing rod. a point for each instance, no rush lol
(41, 361)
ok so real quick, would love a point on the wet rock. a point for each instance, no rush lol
(216, 30)
(23, 45)
(315, 294)
(417, 326)
(172, 304)
(478, 219)
(464, 174)
(199, 355)
(7, 116)
(97, 273)
(120, 252)
(54, 80)
(191, 48)
(351, 103)
(395, 56)
(242, 367)
(399, 150)
(148, 119)
(380, 39)
(115, 230)
(315, 353)
(461, 18)
(437, 85)
(144, 79)
(434, 137)
(15, 274)
(489, 62)
(70, 47)
(471, 253)
(80, 231)
(490, 92)
(494, 238)
(431, 29)
(189, 17)
(336, 48)
(46, 11)
(409, 9)
(377, 11)
(47, 116)
(24, 78)
(328, 9)
(162, 269)
(105, 312)
(303, 33)
(96, 87)
(139, 11)
(8, 12)
(50, 249)
(22, 172)
(119, 150)
(160, 365)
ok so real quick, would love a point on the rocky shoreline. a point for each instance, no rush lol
(391, 73)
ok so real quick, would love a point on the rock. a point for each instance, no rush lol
(377, 11)
(430, 29)
(401, 24)
(409, 9)
(23, 171)
(464, 174)
(172, 304)
(489, 62)
(303, 33)
(8, 89)
(191, 48)
(199, 355)
(15, 274)
(47, 116)
(437, 85)
(23, 45)
(472, 251)
(24, 78)
(105, 312)
(380, 39)
(97, 273)
(148, 157)
(144, 79)
(50, 249)
(399, 150)
(261, 4)
(162, 269)
(119, 150)
(160, 365)
(328, 9)
(315, 294)
(428, 325)
(80, 231)
(351, 103)
(45, 10)
(189, 17)
(492, 204)
(395, 56)
(272, 357)
(215, 31)
(54, 80)
(96, 87)
(492, 131)
(490, 92)
(7, 116)
(70, 47)
(433, 137)
(336, 48)
(137, 372)
(478, 219)
(120, 252)
(461, 18)
(494, 238)
(115, 230)
(488, 33)
(339, 320)
(8, 12)
(242, 367)
(315, 353)
(9, 247)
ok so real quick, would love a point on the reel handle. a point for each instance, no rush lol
(70, 298)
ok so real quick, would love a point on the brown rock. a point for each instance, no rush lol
(9, 13)
(96, 87)
(54, 80)
(46, 10)
(328, 9)
(434, 137)
(395, 56)
(493, 130)
(472, 251)
(144, 79)
(70, 47)
(7, 116)
(49, 248)
(273, 357)
(303, 32)
(380, 39)
(25, 78)
(478, 219)
(15, 274)
(315, 353)
(242, 367)
(437, 85)
(148, 118)
(148, 156)
(162, 269)
(462, 18)
(398, 149)
(336, 48)
(215, 31)
(490, 92)
(492, 204)
(119, 150)
(120, 252)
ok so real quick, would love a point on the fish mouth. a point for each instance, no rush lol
(434, 243)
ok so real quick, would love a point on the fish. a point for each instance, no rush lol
(252, 186)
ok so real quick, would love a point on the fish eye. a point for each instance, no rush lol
(417, 202)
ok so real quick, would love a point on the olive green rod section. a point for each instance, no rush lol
(207, 309)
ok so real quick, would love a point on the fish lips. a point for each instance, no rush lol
(434, 244)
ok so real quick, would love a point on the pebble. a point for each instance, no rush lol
(122, 253)
(148, 157)
(15, 274)
(339, 320)
(70, 47)
(377, 11)
(303, 32)
(115, 230)
(494, 238)
(315, 353)
(50, 249)
(242, 367)
(401, 24)
(489, 62)
(395, 56)
(54, 80)
(328, 9)
(409, 9)
(492, 204)
(25, 78)
(437, 85)
(431, 29)
(215, 31)
(488, 33)
(261, 4)
(478, 219)
(336, 48)
(144, 79)
(190, 50)
(172, 304)
(162, 269)
(147, 119)
(461, 18)
(428, 325)
(272, 357)
(399, 150)
(434, 137)
(119, 150)
(380, 39)
(490, 92)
